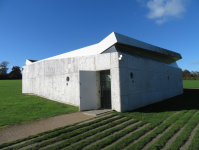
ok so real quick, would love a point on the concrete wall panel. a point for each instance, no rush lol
(102, 61)
(58, 66)
(133, 62)
(123, 63)
(125, 103)
(51, 87)
(56, 87)
(164, 82)
(179, 72)
(132, 81)
(32, 73)
(150, 79)
(27, 72)
(152, 66)
(37, 86)
(49, 68)
(75, 87)
(114, 60)
(38, 69)
(41, 69)
(24, 85)
(24, 72)
(72, 89)
(27, 86)
(144, 64)
(42, 85)
(115, 89)
(124, 81)
(147, 98)
(33, 85)
(62, 83)
(135, 101)
(70, 65)
(68, 90)
(139, 81)
(86, 63)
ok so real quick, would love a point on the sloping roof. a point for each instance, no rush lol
(116, 38)
(29, 61)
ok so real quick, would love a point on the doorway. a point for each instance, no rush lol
(105, 85)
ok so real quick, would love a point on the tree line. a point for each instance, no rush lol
(14, 74)
(193, 75)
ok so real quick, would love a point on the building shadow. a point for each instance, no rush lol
(187, 101)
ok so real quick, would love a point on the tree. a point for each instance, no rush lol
(15, 73)
(186, 73)
(193, 74)
(3, 67)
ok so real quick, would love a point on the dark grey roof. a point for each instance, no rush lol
(135, 47)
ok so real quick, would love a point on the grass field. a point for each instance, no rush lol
(172, 124)
(166, 125)
(190, 83)
(16, 107)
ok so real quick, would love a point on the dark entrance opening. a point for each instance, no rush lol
(105, 85)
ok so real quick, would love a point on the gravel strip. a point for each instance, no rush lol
(89, 120)
(24, 130)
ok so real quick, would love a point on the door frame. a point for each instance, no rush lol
(101, 91)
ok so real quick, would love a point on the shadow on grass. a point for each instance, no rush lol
(187, 101)
(157, 112)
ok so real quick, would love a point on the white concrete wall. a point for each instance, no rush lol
(149, 84)
(47, 78)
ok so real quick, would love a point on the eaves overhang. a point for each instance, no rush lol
(132, 46)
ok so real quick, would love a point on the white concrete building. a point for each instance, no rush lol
(119, 73)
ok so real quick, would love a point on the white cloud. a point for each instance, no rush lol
(11, 67)
(197, 62)
(164, 10)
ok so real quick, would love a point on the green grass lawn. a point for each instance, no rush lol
(190, 83)
(16, 107)
(130, 130)
(110, 132)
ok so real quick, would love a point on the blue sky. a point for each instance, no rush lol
(38, 29)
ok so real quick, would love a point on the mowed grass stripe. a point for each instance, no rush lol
(75, 133)
(130, 137)
(102, 135)
(134, 136)
(194, 142)
(176, 127)
(142, 142)
(78, 138)
(8, 144)
(184, 135)
(56, 133)
(149, 132)
(115, 137)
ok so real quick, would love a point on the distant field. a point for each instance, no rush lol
(16, 107)
(190, 83)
